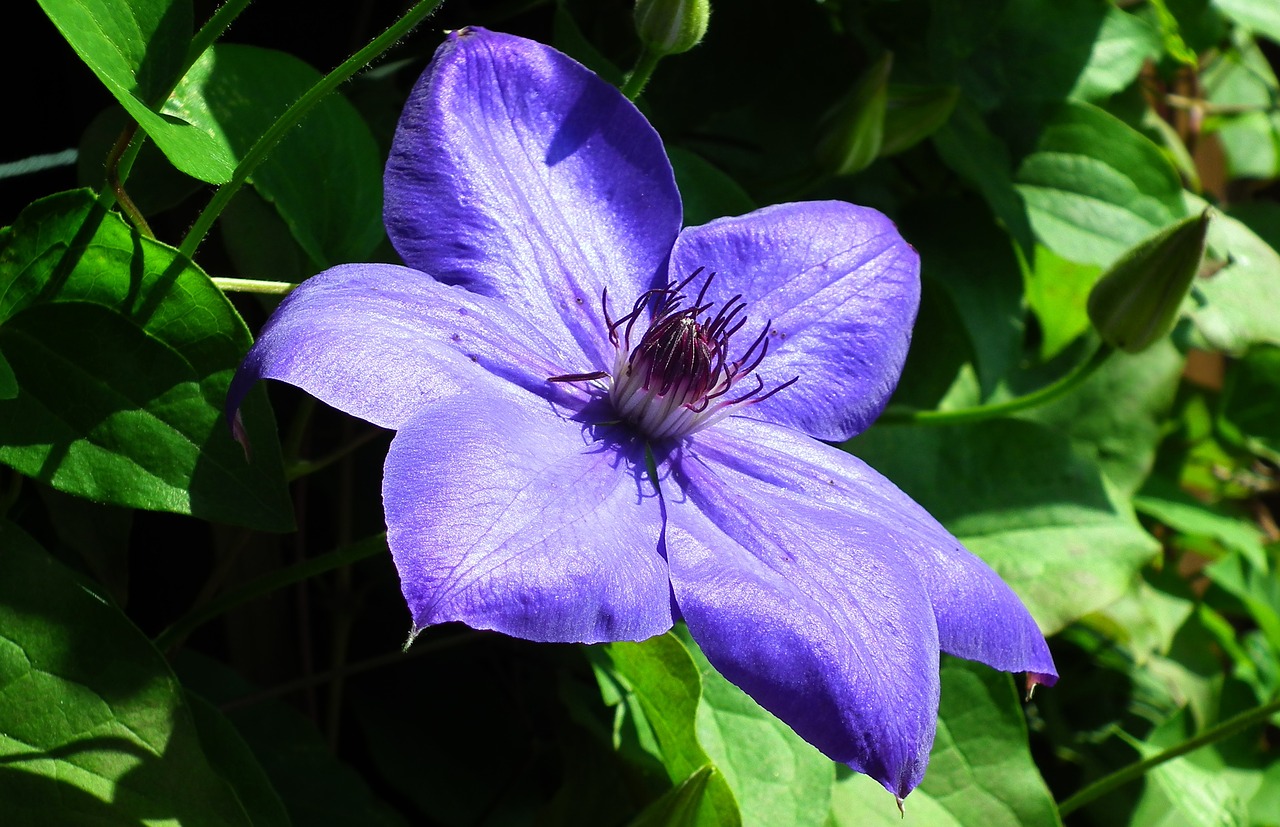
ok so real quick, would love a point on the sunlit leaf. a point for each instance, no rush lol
(980, 771)
(94, 728)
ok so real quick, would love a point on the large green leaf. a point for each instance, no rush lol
(1094, 187)
(980, 770)
(317, 788)
(965, 256)
(1057, 292)
(666, 683)
(1118, 415)
(776, 776)
(1020, 496)
(138, 50)
(1243, 79)
(123, 351)
(94, 728)
(325, 177)
(970, 148)
(1235, 306)
(1260, 15)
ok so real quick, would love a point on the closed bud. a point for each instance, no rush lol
(1136, 302)
(853, 131)
(669, 27)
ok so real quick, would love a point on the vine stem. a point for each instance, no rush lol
(1138, 769)
(185, 625)
(267, 288)
(294, 115)
(639, 76)
(120, 159)
(1031, 400)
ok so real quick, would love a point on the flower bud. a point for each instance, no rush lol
(1136, 302)
(669, 27)
(854, 129)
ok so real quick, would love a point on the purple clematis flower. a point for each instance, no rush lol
(556, 332)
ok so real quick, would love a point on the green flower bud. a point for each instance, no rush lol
(854, 129)
(1136, 302)
(669, 27)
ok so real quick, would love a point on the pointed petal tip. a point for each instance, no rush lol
(902, 805)
(1035, 679)
(240, 435)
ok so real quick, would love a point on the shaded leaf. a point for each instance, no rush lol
(94, 728)
(315, 786)
(1117, 416)
(123, 351)
(1021, 497)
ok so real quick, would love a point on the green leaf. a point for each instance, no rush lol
(1162, 500)
(853, 131)
(913, 113)
(1144, 621)
(707, 192)
(316, 787)
(664, 679)
(1120, 48)
(1261, 16)
(1095, 187)
(94, 728)
(1057, 291)
(8, 382)
(678, 806)
(1117, 417)
(1185, 791)
(138, 50)
(227, 753)
(1248, 407)
(325, 178)
(1236, 305)
(1030, 504)
(123, 351)
(1243, 78)
(980, 770)
(969, 147)
(963, 255)
(776, 776)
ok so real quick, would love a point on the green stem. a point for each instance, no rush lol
(639, 77)
(116, 182)
(298, 468)
(294, 115)
(1032, 400)
(213, 29)
(1134, 771)
(183, 626)
(266, 288)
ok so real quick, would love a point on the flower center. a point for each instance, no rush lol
(678, 377)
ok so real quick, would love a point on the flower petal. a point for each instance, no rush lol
(519, 174)
(505, 516)
(378, 341)
(830, 631)
(841, 288)
(979, 617)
